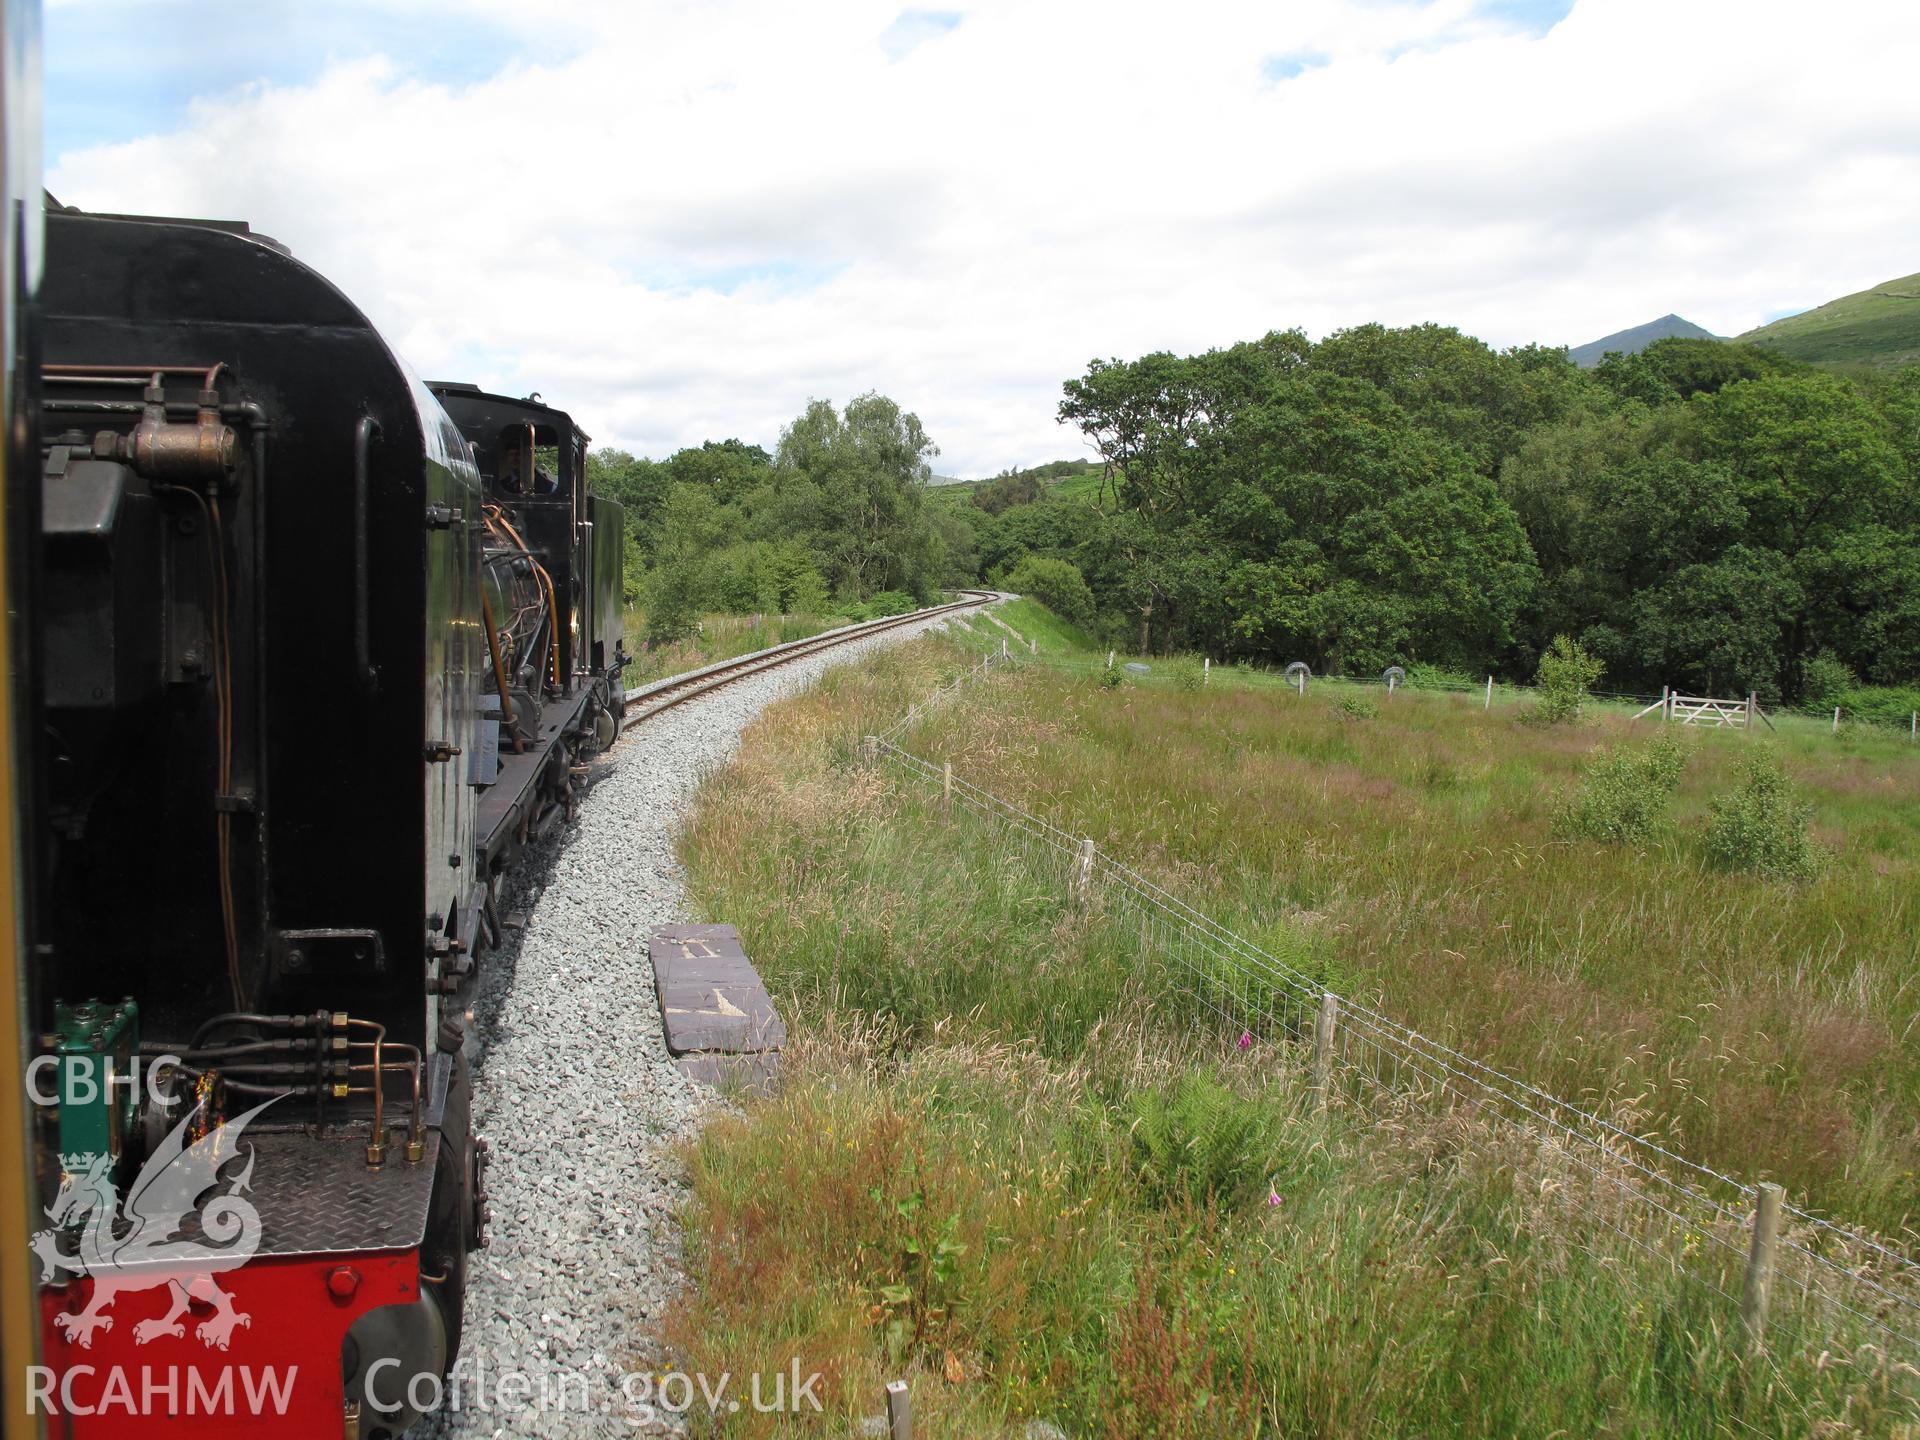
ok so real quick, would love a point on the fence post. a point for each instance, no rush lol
(1391, 679)
(1323, 1044)
(1913, 726)
(946, 782)
(1033, 644)
(870, 749)
(1300, 681)
(1003, 647)
(1836, 719)
(899, 1411)
(1666, 703)
(1206, 669)
(1489, 704)
(1753, 703)
(1109, 659)
(1083, 873)
(1766, 1239)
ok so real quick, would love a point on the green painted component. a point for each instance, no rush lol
(98, 1043)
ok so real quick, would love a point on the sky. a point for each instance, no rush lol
(682, 221)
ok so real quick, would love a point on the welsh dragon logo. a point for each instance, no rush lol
(135, 1244)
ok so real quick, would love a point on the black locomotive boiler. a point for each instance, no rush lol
(319, 650)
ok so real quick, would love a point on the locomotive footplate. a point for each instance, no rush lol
(214, 1338)
(317, 1196)
(314, 1191)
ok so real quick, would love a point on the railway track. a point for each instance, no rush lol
(645, 701)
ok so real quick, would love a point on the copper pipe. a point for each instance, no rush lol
(416, 1130)
(377, 1148)
(221, 671)
(223, 820)
(494, 512)
(208, 371)
(553, 611)
(499, 668)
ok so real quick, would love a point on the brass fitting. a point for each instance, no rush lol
(160, 449)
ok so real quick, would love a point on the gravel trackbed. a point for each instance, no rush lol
(575, 1094)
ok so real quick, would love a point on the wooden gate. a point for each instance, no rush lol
(1705, 710)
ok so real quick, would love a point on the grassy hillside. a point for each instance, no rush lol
(1084, 485)
(1007, 1165)
(1033, 620)
(1057, 477)
(1878, 327)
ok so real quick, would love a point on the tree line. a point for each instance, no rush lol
(1702, 514)
(834, 518)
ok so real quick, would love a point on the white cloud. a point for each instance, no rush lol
(710, 214)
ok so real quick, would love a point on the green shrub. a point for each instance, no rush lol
(1197, 1140)
(1056, 584)
(673, 605)
(1357, 705)
(1880, 704)
(1623, 794)
(1763, 825)
(1187, 677)
(1567, 672)
(1437, 677)
(885, 602)
(1111, 677)
(890, 602)
(804, 593)
(1825, 681)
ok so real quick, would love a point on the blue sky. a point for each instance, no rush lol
(913, 28)
(1535, 17)
(117, 70)
(683, 219)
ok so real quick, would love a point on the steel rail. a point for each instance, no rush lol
(645, 701)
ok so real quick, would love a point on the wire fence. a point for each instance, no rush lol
(1838, 720)
(989, 662)
(1841, 1288)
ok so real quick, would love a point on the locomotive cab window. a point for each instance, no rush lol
(528, 462)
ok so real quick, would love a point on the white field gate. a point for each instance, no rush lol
(1707, 711)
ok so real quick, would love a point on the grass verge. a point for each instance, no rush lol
(716, 638)
(1007, 1163)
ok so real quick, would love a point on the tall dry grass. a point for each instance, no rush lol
(1771, 1027)
(950, 1184)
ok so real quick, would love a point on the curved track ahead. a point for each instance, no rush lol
(645, 701)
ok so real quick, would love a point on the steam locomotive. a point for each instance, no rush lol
(318, 651)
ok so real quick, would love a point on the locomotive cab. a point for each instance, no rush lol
(550, 595)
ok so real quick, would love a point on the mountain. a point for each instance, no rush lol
(1632, 342)
(1878, 327)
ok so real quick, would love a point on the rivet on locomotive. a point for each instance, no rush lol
(321, 649)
